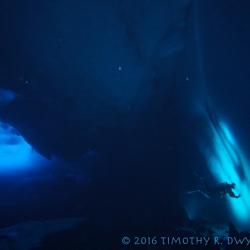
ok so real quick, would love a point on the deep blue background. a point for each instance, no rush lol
(122, 79)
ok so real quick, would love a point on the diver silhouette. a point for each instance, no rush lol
(218, 190)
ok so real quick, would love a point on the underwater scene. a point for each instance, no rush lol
(124, 124)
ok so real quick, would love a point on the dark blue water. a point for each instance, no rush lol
(104, 125)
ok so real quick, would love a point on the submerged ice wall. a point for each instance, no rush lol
(228, 163)
(221, 70)
(84, 68)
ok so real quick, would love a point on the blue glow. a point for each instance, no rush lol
(15, 152)
(230, 143)
(224, 163)
(7, 96)
(227, 133)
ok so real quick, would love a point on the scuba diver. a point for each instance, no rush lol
(219, 190)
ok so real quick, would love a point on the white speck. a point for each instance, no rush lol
(27, 82)
(120, 68)
(187, 78)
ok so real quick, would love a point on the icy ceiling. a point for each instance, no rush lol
(83, 69)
